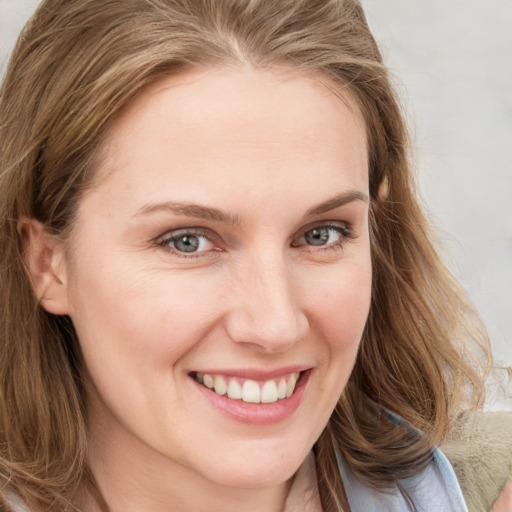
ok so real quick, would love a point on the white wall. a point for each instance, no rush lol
(13, 14)
(453, 61)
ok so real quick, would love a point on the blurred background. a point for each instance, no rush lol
(452, 63)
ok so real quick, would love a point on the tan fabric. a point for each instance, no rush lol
(481, 455)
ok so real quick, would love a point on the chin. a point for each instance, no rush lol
(265, 470)
(255, 478)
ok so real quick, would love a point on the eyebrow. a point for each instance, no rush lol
(190, 210)
(337, 202)
(218, 215)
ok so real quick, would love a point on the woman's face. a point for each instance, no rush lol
(224, 244)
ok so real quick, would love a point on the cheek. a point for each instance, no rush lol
(341, 304)
(140, 316)
(338, 313)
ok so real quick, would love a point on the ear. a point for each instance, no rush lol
(44, 259)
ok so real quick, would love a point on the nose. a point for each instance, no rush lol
(265, 310)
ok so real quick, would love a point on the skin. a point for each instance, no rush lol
(504, 503)
(267, 147)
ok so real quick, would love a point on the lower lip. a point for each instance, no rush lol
(257, 414)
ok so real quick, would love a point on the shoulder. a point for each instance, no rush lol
(469, 471)
(434, 488)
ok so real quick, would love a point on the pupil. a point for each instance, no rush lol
(318, 236)
(187, 243)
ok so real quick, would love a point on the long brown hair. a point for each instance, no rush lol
(76, 65)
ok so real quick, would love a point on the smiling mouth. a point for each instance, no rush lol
(250, 391)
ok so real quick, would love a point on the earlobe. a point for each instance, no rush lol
(43, 255)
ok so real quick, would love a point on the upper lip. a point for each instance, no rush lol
(255, 373)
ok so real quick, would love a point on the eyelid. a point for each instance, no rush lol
(344, 228)
(163, 241)
(333, 224)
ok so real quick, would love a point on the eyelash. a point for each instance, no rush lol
(175, 235)
(165, 242)
(342, 229)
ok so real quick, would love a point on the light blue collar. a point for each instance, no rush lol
(432, 490)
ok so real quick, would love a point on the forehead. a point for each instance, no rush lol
(260, 127)
(207, 85)
(259, 97)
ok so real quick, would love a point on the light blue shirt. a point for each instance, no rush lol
(435, 489)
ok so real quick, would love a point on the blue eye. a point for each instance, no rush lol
(321, 236)
(188, 242)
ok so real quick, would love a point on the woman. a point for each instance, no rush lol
(219, 290)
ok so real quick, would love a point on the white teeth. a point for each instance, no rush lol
(281, 389)
(290, 385)
(269, 392)
(208, 381)
(220, 385)
(234, 389)
(251, 392)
